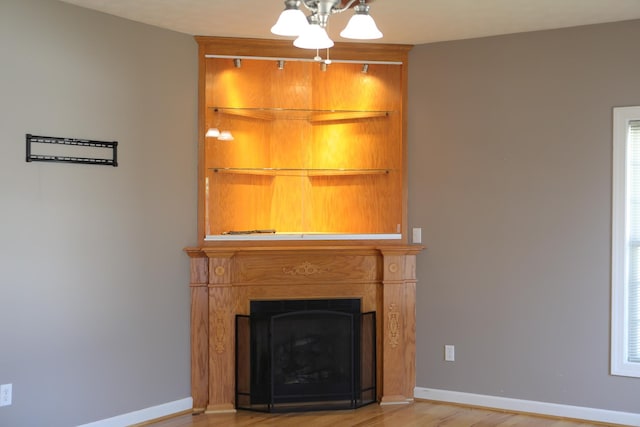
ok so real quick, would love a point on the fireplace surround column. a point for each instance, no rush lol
(398, 320)
(222, 311)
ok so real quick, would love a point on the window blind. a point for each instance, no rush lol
(633, 284)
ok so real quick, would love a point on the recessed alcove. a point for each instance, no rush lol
(316, 154)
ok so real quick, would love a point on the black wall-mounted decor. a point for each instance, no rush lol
(112, 145)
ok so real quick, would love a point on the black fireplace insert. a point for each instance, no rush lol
(304, 355)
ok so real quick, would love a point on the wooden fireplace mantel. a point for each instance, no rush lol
(225, 279)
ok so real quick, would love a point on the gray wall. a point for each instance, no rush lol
(94, 298)
(510, 153)
(510, 176)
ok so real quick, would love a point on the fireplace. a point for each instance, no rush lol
(303, 355)
(227, 281)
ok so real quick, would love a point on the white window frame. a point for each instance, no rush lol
(620, 364)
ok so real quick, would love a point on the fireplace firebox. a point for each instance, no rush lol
(302, 355)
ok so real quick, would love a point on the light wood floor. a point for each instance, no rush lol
(419, 414)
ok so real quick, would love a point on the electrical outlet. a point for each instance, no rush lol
(6, 394)
(449, 353)
(417, 235)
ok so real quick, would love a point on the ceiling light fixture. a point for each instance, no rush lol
(361, 26)
(311, 31)
(314, 36)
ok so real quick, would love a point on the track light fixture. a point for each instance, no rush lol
(311, 31)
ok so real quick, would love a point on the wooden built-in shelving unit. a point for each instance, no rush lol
(315, 150)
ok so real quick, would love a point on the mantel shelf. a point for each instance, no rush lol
(301, 236)
(300, 171)
(310, 115)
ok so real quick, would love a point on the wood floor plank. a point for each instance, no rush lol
(419, 414)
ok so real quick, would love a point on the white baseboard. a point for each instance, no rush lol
(143, 415)
(530, 406)
(504, 403)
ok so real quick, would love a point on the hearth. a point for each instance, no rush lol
(297, 355)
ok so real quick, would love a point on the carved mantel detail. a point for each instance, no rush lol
(304, 269)
(394, 325)
(220, 333)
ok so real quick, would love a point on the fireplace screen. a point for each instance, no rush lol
(299, 355)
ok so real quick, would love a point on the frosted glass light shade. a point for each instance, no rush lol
(225, 135)
(212, 133)
(314, 37)
(291, 22)
(361, 26)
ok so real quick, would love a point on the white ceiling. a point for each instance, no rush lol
(401, 21)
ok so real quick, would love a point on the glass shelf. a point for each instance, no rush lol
(302, 236)
(301, 114)
(300, 171)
